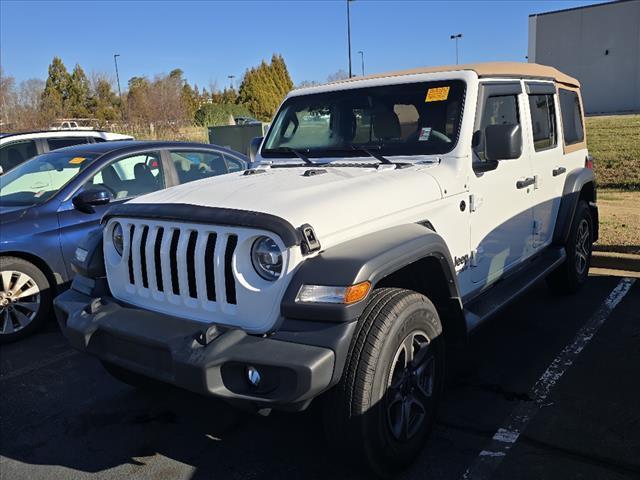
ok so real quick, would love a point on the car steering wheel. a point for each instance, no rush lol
(441, 136)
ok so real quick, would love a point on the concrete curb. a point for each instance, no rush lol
(616, 261)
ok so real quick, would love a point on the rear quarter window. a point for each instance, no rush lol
(572, 127)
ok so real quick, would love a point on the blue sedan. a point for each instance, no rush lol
(50, 202)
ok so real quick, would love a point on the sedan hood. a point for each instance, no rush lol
(333, 200)
(12, 213)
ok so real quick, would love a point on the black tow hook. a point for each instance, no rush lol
(205, 337)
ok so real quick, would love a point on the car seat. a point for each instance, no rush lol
(386, 125)
(145, 181)
(14, 158)
(111, 180)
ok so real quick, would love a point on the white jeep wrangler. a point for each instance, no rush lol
(384, 219)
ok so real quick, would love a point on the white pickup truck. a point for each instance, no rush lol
(354, 255)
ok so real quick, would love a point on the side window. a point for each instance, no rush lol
(195, 165)
(56, 143)
(233, 164)
(498, 110)
(543, 121)
(15, 153)
(130, 176)
(571, 117)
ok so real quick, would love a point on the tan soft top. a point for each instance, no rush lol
(489, 69)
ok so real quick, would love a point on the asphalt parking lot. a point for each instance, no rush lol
(62, 416)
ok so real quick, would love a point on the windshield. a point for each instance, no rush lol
(38, 179)
(408, 119)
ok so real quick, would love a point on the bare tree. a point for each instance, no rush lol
(29, 103)
(339, 75)
(308, 83)
(7, 98)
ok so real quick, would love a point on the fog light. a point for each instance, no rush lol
(253, 376)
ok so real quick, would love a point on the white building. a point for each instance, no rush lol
(597, 44)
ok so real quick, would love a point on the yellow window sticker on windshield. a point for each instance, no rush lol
(77, 160)
(437, 94)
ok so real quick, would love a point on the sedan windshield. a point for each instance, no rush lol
(38, 179)
(407, 119)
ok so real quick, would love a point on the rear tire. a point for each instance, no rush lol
(25, 298)
(573, 273)
(381, 412)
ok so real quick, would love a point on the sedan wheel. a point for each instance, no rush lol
(19, 301)
(25, 298)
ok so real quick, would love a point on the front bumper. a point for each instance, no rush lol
(295, 366)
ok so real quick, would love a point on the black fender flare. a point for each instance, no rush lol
(368, 258)
(573, 185)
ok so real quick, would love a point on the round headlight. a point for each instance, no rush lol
(117, 237)
(266, 257)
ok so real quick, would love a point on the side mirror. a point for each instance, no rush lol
(254, 146)
(87, 199)
(502, 142)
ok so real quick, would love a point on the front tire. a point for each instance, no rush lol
(381, 412)
(573, 273)
(25, 298)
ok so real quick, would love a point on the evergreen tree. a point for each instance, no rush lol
(105, 102)
(56, 90)
(189, 100)
(78, 94)
(263, 88)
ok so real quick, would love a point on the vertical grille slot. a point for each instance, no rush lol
(157, 259)
(173, 261)
(143, 256)
(229, 280)
(130, 259)
(209, 267)
(191, 264)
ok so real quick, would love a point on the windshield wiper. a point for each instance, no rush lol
(297, 153)
(377, 156)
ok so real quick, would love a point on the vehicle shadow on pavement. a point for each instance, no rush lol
(71, 415)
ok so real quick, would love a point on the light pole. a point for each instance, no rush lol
(231, 77)
(349, 35)
(456, 38)
(362, 60)
(115, 60)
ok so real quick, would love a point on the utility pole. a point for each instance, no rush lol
(115, 60)
(231, 77)
(362, 60)
(349, 35)
(456, 38)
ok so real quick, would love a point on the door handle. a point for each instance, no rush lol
(525, 183)
(558, 171)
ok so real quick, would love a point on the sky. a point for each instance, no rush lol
(210, 40)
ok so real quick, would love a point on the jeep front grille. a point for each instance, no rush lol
(181, 262)
(195, 271)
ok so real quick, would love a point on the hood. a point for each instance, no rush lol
(332, 201)
(10, 214)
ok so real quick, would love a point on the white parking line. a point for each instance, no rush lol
(490, 458)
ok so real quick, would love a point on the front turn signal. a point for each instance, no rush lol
(329, 294)
(355, 293)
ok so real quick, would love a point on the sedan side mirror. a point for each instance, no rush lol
(502, 142)
(254, 146)
(87, 199)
